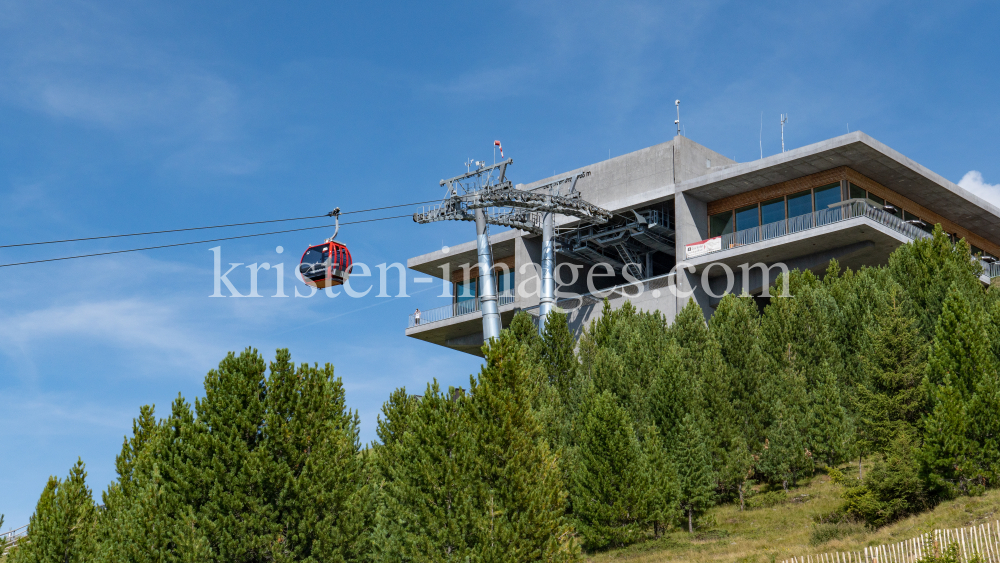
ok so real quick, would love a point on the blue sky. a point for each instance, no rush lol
(119, 118)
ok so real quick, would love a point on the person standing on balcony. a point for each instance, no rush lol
(416, 317)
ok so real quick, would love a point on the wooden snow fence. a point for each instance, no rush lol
(982, 541)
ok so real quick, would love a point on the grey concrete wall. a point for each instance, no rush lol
(692, 160)
(691, 225)
(613, 182)
(528, 273)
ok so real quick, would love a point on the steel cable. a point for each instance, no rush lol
(199, 241)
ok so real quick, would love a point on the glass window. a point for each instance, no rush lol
(858, 193)
(827, 196)
(505, 282)
(800, 204)
(315, 255)
(976, 250)
(772, 211)
(747, 218)
(876, 198)
(907, 216)
(720, 224)
(465, 291)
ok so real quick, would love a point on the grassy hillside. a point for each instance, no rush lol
(776, 533)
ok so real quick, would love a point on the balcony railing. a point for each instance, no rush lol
(459, 309)
(823, 217)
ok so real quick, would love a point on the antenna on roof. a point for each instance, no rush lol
(784, 120)
(760, 135)
(677, 121)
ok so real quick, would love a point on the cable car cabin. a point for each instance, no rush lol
(326, 265)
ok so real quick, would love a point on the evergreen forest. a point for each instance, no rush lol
(886, 378)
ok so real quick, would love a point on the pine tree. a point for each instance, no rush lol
(786, 456)
(945, 460)
(961, 346)
(149, 513)
(740, 467)
(611, 482)
(708, 383)
(318, 493)
(233, 507)
(830, 427)
(62, 529)
(736, 327)
(672, 394)
(694, 470)
(523, 494)
(892, 360)
(143, 429)
(927, 269)
(891, 490)
(622, 352)
(428, 505)
(993, 323)
(523, 328)
(558, 358)
(984, 430)
(663, 487)
(804, 331)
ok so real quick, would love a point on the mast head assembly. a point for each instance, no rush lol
(488, 187)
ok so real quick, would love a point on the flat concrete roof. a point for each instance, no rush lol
(465, 253)
(867, 156)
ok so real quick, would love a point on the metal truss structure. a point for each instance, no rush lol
(489, 198)
(488, 188)
(627, 244)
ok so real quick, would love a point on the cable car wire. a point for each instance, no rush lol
(212, 226)
(203, 241)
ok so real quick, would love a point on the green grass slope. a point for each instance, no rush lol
(779, 532)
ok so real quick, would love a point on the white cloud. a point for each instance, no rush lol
(132, 324)
(973, 181)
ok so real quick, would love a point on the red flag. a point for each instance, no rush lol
(497, 144)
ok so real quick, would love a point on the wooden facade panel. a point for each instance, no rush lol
(778, 190)
(845, 173)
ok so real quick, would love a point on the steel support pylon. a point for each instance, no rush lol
(547, 293)
(487, 287)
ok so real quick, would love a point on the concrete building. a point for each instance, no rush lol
(682, 211)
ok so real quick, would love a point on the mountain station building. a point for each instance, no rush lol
(681, 211)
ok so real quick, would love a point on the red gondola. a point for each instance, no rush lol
(328, 264)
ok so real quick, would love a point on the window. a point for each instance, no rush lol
(907, 216)
(505, 283)
(315, 255)
(747, 218)
(772, 211)
(976, 250)
(827, 196)
(465, 291)
(800, 204)
(857, 193)
(720, 224)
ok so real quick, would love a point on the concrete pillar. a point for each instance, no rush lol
(691, 225)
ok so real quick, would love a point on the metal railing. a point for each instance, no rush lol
(823, 217)
(13, 536)
(458, 309)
